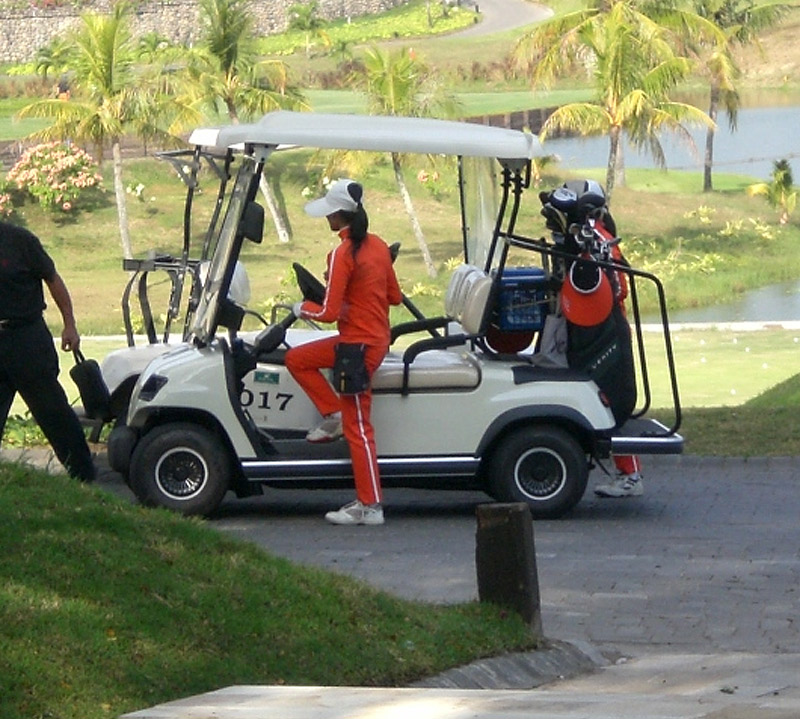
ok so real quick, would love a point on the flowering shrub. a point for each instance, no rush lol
(56, 174)
(136, 190)
(6, 208)
(433, 183)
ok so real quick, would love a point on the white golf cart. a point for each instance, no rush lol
(472, 403)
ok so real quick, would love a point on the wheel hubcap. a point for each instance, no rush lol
(181, 473)
(540, 473)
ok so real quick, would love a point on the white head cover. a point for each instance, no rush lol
(343, 195)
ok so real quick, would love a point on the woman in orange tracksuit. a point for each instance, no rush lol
(361, 285)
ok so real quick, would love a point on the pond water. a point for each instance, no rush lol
(763, 135)
(775, 303)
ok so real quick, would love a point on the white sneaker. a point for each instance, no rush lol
(357, 513)
(329, 430)
(623, 485)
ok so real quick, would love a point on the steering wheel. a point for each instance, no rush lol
(310, 287)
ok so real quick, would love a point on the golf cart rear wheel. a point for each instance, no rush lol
(183, 467)
(542, 466)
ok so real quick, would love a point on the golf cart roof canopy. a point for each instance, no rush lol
(375, 133)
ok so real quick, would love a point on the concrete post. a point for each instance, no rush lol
(505, 559)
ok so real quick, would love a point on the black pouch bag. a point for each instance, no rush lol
(94, 393)
(350, 374)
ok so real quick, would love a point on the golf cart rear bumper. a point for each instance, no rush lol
(645, 436)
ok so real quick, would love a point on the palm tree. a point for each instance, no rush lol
(779, 193)
(400, 84)
(304, 17)
(633, 68)
(51, 57)
(151, 45)
(106, 100)
(740, 22)
(225, 70)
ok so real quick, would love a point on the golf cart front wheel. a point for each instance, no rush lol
(183, 467)
(544, 467)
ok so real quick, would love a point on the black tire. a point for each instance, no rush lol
(180, 466)
(544, 467)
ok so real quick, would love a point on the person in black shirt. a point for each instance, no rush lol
(28, 360)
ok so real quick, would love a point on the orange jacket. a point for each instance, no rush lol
(359, 291)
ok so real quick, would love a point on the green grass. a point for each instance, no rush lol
(724, 368)
(107, 608)
(783, 395)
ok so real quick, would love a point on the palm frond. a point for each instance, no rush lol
(583, 118)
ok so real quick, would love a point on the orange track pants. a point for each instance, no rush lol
(627, 464)
(305, 362)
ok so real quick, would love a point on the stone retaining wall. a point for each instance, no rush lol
(23, 30)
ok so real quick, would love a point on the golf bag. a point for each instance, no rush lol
(592, 298)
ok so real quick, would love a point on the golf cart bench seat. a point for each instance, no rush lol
(435, 369)
(429, 363)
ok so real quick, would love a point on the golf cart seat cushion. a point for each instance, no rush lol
(436, 369)
(467, 296)
(454, 297)
(473, 309)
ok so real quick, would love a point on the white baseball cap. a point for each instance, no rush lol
(343, 195)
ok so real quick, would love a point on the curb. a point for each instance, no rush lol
(555, 661)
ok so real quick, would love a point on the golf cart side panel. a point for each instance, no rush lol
(189, 372)
(455, 422)
(273, 399)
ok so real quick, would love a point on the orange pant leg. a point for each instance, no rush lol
(627, 464)
(304, 362)
(360, 435)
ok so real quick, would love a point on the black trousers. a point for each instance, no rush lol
(29, 365)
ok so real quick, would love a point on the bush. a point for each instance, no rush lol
(56, 174)
(6, 206)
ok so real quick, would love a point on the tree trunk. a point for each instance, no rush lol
(274, 209)
(423, 245)
(708, 160)
(122, 204)
(615, 171)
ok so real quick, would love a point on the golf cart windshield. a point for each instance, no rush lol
(480, 203)
(224, 251)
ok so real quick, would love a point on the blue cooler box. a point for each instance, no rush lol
(523, 303)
